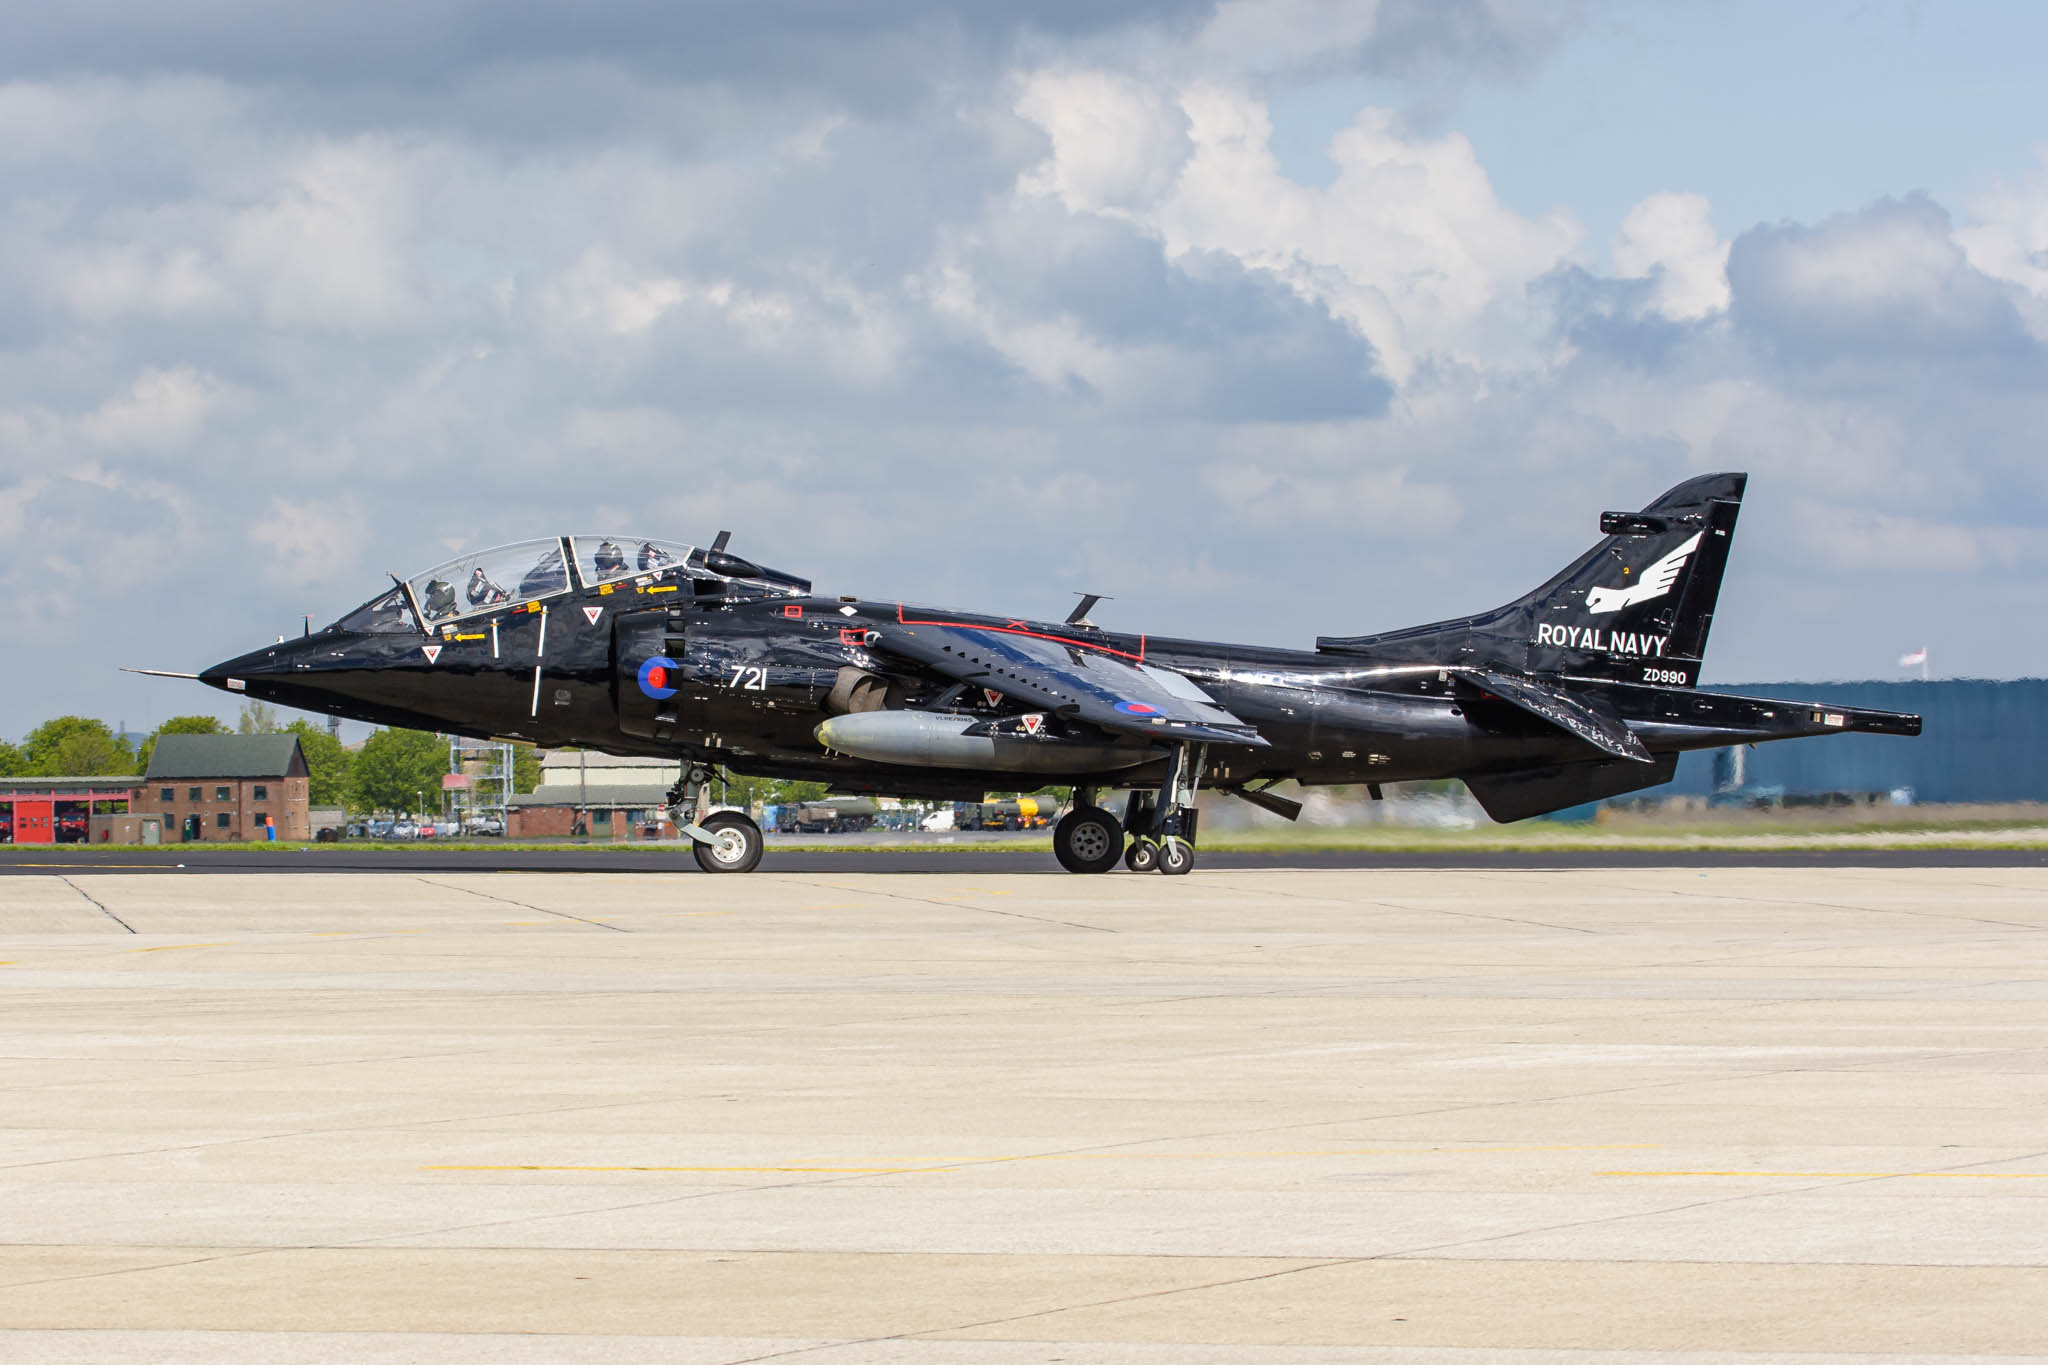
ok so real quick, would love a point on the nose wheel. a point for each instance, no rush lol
(734, 846)
(725, 842)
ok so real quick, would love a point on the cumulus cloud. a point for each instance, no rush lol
(1891, 278)
(161, 412)
(1409, 245)
(307, 539)
(2008, 240)
(1412, 40)
(1669, 240)
(327, 248)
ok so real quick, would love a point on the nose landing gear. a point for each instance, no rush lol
(727, 841)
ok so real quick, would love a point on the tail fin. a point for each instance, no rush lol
(1636, 607)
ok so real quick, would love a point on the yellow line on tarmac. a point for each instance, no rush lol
(1339, 1151)
(999, 1159)
(177, 947)
(1854, 1175)
(837, 1170)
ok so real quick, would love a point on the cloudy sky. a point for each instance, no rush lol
(1267, 317)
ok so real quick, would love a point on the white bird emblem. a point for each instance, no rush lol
(1655, 582)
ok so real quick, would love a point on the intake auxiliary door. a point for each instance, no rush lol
(649, 681)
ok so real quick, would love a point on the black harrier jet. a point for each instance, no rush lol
(1583, 689)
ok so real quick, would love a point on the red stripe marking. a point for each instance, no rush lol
(1139, 657)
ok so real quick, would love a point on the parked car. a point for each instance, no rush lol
(403, 829)
(426, 830)
(487, 826)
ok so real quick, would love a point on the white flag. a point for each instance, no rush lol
(1915, 659)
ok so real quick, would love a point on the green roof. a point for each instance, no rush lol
(180, 757)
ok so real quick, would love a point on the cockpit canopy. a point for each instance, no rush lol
(533, 570)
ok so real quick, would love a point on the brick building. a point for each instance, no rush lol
(227, 787)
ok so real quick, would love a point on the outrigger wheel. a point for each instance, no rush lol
(1142, 855)
(735, 843)
(1176, 855)
(1088, 839)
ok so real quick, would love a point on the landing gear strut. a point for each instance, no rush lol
(1173, 817)
(1162, 826)
(725, 842)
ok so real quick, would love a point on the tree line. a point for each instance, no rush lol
(394, 769)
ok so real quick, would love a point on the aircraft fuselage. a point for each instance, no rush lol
(751, 680)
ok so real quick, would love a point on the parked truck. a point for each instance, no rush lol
(1024, 812)
(833, 815)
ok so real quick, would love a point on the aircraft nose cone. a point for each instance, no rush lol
(234, 675)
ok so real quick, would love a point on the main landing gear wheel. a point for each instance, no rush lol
(1176, 856)
(1087, 839)
(735, 844)
(1142, 855)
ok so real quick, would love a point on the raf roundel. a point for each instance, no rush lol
(654, 676)
(1136, 708)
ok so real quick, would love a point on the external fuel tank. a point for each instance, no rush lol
(935, 740)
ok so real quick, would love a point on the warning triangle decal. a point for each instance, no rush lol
(1033, 724)
(591, 614)
(995, 698)
(433, 652)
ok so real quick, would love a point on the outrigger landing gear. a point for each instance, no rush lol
(725, 842)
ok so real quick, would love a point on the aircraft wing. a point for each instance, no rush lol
(1596, 725)
(1115, 691)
